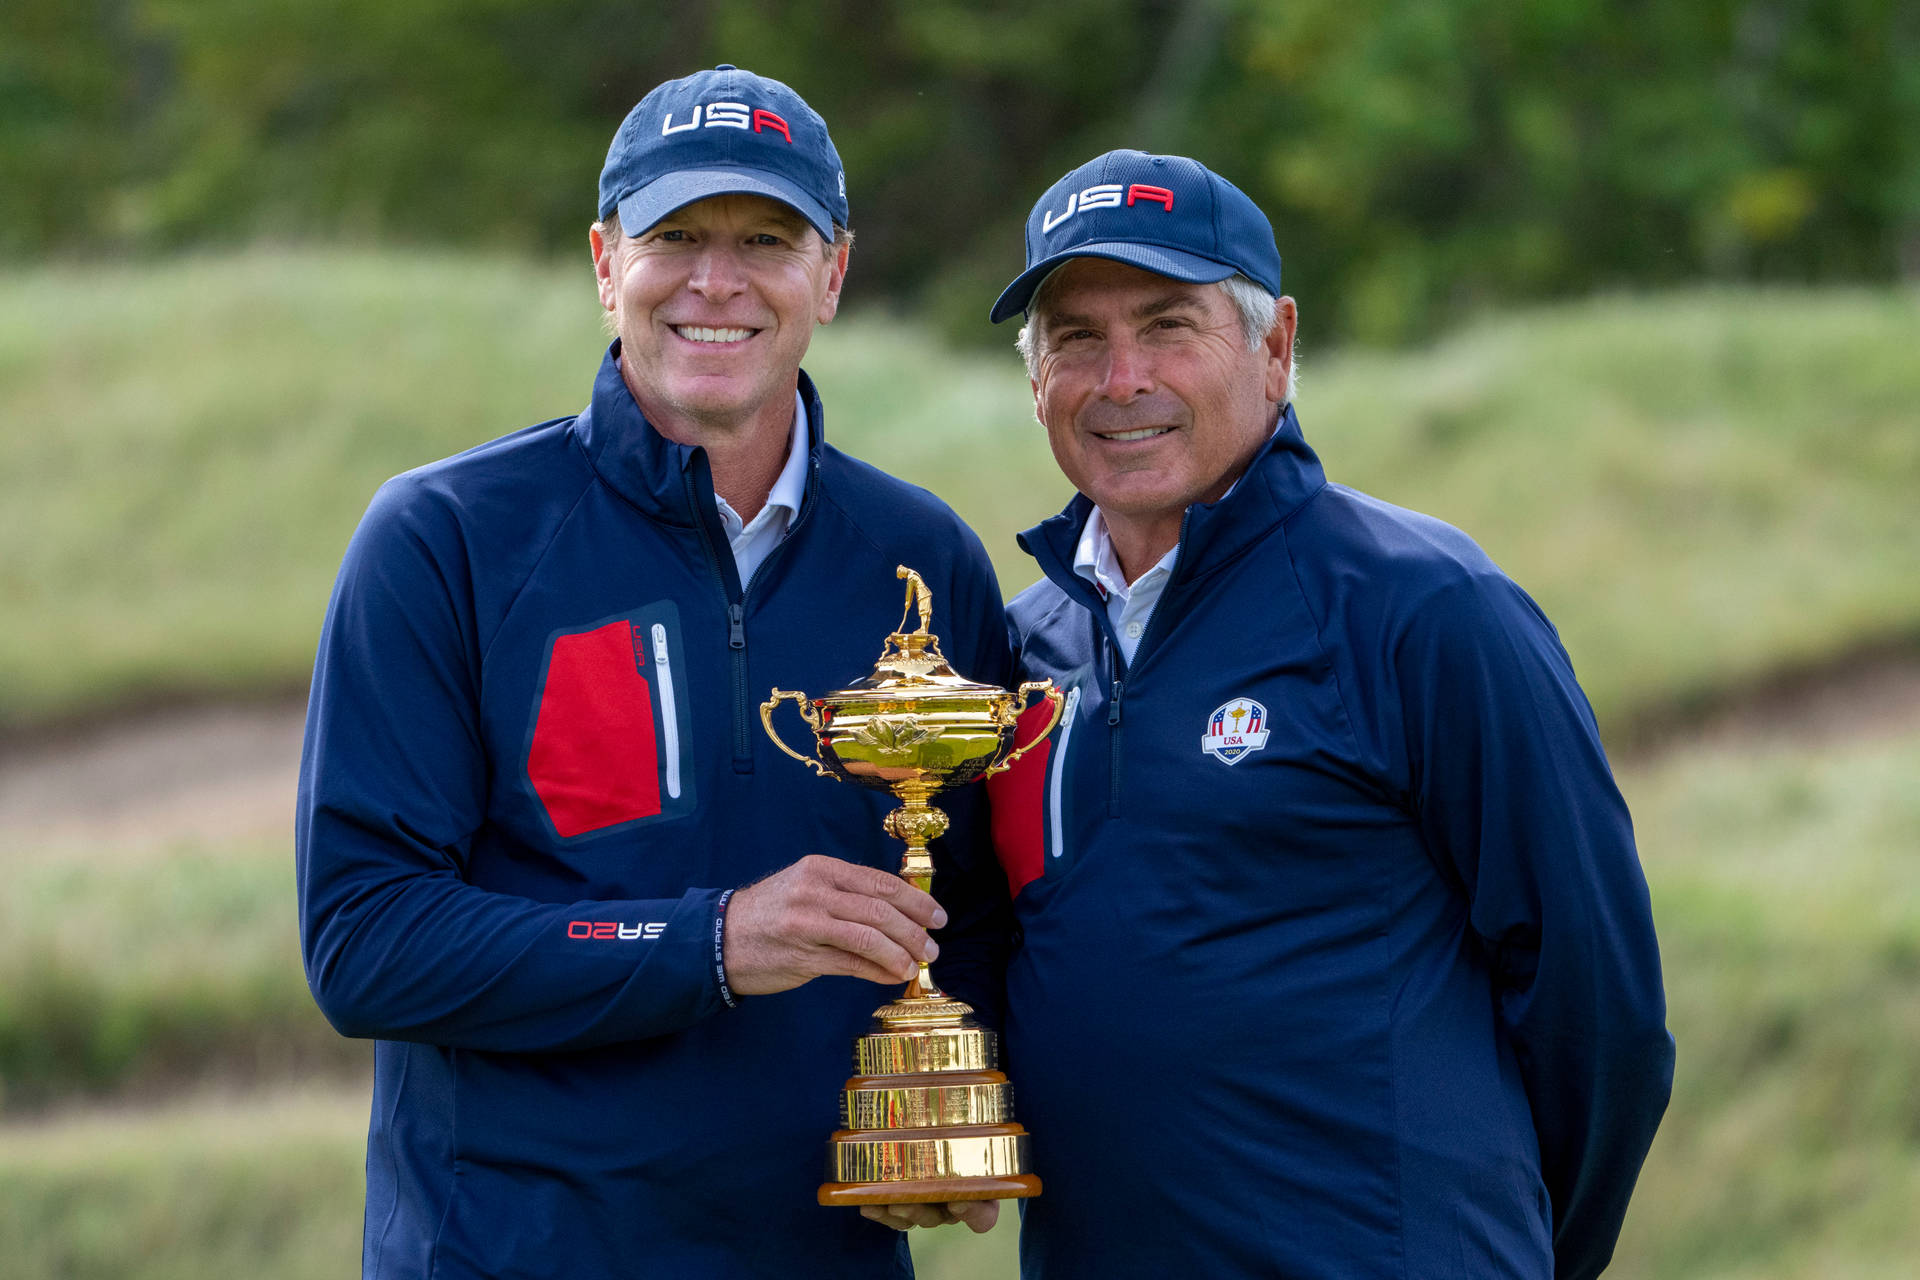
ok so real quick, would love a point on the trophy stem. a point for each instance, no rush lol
(917, 822)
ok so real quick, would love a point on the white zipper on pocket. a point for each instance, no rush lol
(669, 718)
(1060, 769)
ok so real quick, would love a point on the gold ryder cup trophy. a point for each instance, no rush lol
(928, 1117)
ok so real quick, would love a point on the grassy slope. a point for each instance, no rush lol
(208, 1189)
(1789, 918)
(1788, 914)
(118, 973)
(1699, 488)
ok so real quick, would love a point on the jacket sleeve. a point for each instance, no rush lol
(1514, 797)
(393, 785)
(968, 881)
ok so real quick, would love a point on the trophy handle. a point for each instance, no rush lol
(1052, 695)
(807, 713)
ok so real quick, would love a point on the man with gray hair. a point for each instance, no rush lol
(1333, 953)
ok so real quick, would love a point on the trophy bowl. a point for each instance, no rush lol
(913, 724)
(928, 1117)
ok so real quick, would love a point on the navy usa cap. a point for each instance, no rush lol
(1165, 214)
(722, 132)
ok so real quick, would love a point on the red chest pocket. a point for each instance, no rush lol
(595, 756)
(1018, 797)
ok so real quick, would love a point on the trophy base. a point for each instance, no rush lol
(930, 1190)
(929, 1119)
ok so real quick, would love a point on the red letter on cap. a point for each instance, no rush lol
(761, 116)
(1139, 192)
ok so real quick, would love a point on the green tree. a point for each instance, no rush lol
(1419, 157)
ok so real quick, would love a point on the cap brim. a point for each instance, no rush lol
(1176, 263)
(642, 208)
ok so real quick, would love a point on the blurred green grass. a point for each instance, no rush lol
(211, 1188)
(184, 448)
(244, 1186)
(138, 974)
(1789, 921)
(1790, 925)
(1700, 488)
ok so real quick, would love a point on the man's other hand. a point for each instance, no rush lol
(979, 1215)
(823, 916)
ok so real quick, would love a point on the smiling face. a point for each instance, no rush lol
(715, 305)
(1149, 395)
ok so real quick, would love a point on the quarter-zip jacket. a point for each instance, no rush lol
(1336, 957)
(533, 768)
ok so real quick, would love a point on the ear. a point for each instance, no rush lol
(603, 252)
(1286, 317)
(836, 279)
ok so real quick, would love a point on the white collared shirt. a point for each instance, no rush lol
(1129, 604)
(755, 539)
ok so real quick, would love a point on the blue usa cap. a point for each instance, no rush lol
(1166, 214)
(722, 132)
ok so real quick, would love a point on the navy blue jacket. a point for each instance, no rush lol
(533, 766)
(1336, 957)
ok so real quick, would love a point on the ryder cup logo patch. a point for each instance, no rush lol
(1234, 730)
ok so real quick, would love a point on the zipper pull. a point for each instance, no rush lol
(1113, 708)
(736, 626)
(659, 644)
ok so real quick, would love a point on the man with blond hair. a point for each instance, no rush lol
(613, 950)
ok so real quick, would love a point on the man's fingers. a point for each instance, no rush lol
(881, 918)
(979, 1215)
(915, 1215)
(871, 882)
(831, 960)
(888, 1215)
(863, 943)
(826, 916)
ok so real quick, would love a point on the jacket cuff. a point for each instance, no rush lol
(719, 949)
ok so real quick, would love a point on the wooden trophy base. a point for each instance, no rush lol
(931, 1190)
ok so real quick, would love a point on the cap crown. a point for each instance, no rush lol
(1167, 214)
(718, 123)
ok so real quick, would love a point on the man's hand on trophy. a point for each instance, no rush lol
(979, 1215)
(823, 916)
